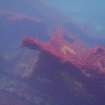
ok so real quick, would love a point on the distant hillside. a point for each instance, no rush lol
(34, 18)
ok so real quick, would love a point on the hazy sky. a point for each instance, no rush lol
(80, 7)
(90, 12)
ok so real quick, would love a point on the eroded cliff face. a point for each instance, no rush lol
(36, 77)
(85, 67)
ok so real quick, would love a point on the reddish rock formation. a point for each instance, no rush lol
(86, 66)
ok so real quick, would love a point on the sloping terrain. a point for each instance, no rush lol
(25, 82)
